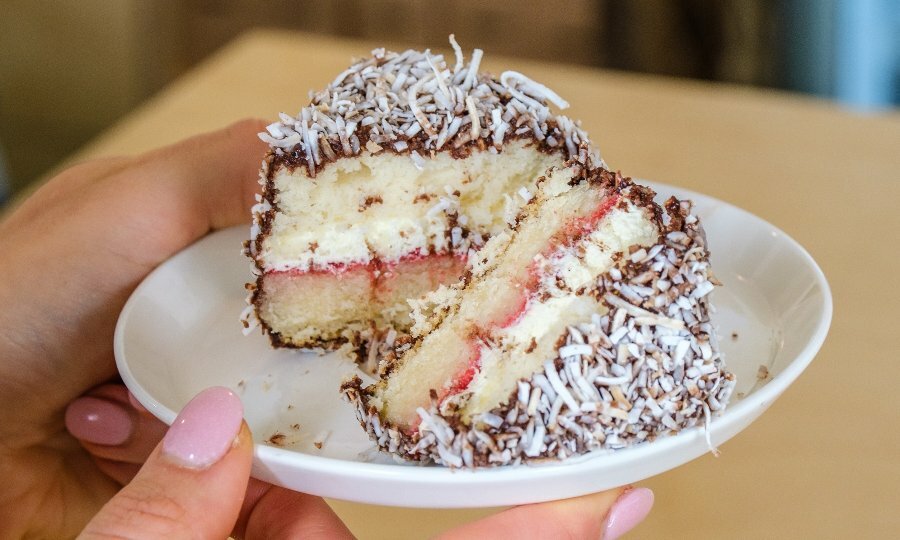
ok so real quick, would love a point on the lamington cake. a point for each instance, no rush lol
(585, 325)
(378, 190)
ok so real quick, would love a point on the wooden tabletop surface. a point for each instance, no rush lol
(824, 461)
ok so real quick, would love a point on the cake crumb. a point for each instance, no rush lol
(369, 454)
(320, 439)
(290, 407)
(734, 336)
(373, 147)
(277, 439)
(295, 427)
(369, 201)
(763, 373)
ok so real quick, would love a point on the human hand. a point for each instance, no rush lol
(196, 482)
(192, 484)
(72, 253)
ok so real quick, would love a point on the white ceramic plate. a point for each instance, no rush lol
(179, 333)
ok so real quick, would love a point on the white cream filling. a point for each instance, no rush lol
(516, 359)
(538, 321)
(615, 234)
(327, 220)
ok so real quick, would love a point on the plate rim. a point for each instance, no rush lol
(364, 471)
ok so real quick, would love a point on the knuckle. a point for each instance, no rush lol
(241, 127)
(146, 513)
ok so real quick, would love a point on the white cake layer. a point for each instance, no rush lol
(593, 255)
(503, 366)
(384, 206)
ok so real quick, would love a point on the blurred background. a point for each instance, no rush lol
(70, 68)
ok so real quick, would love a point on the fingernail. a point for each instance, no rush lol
(98, 421)
(630, 509)
(205, 429)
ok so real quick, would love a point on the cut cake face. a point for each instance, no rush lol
(584, 326)
(378, 190)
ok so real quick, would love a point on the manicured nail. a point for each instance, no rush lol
(630, 509)
(205, 429)
(98, 421)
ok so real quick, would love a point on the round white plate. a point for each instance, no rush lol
(179, 333)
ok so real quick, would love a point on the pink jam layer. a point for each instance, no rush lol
(381, 273)
(463, 380)
(567, 235)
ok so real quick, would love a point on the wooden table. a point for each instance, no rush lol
(824, 461)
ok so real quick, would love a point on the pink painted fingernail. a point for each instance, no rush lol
(205, 429)
(98, 421)
(630, 509)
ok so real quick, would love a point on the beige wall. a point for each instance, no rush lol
(69, 68)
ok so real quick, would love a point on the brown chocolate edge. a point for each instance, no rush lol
(278, 341)
(296, 157)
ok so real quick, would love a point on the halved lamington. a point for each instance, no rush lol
(584, 326)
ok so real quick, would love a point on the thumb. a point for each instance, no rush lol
(193, 483)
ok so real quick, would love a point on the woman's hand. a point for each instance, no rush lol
(192, 483)
(72, 254)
